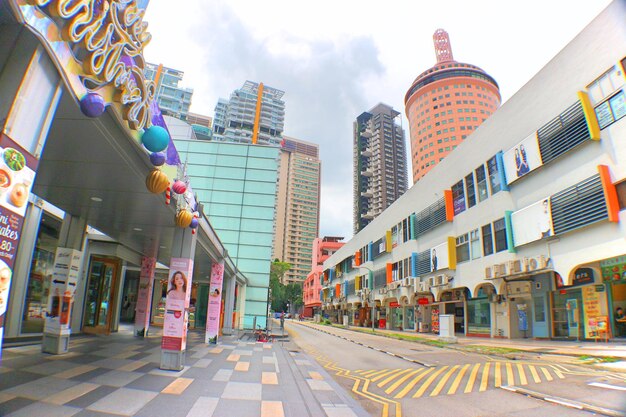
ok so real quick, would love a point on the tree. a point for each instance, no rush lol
(277, 272)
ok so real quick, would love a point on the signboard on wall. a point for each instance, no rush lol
(613, 269)
(532, 223)
(522, 158)
(439, 257)
(177, 304)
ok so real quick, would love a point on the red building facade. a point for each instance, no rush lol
(322, 249)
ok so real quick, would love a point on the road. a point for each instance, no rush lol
(399, 378)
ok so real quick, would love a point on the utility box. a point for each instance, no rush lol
(446, 328)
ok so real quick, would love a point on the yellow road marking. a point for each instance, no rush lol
(485, 378)
(401, 380)
(510, 380)
(457, 380)
(391, 378)
(411, 384)
(370, 374)
(522, 374)
(393, 371)
(546, 373)
(472, 378)
(443, 381)
(534, 373)
(498, 376)
(427, 383)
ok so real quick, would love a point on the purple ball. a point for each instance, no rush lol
(194, 223)
(92, 105)
(157, 158)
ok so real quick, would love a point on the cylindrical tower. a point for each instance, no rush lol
(445, 104)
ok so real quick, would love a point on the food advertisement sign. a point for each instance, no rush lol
(177, 304)
(592, 309)
(614, 269)
(17, 174)
(64, 281)
(215, 303)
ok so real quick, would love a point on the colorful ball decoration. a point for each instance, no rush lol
(184, 218)
(157, 181)
(194, 223)
(155, 138)
(157, 158)
(92, 105)
(179, 187)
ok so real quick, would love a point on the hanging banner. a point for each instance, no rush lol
(215, 303)
(532, 223)
(64, 279)
(144, 296)
(439, 257)
(17, 174)
(177, 304)
(522, 158)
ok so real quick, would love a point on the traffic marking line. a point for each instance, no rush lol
(485, 378)
(457, 380)
(427, 383)
(472, 378)
(414, 382)
(522, 374)
(399, 382)
(392, 377)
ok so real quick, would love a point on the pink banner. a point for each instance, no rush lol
(144, 296)
(177, 304)
(215, 303)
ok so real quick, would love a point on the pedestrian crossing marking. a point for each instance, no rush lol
(522, 374)
(414, 382)
(485, 377)
(392, 377)
(443, 381)
(546, 373)
(534, 374)
(393, 387)
(381, 376)
(429, 381)
(472, 378)
(509, 374)
(498, 379)
(457, 380)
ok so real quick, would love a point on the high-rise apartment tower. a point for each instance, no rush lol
(380, 171)
(297, 206)
(445, 104)
(173, 100)
(255, 113)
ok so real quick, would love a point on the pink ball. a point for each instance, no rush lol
(179, 187)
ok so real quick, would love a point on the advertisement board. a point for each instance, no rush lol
(532, 223)
(144, 296)
(215, 303)
(177, 304)
(522, 158)
(439, 257)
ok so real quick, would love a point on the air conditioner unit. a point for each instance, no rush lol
(488, 273)
(537, 262)
(441, 280)
(408, 282)
(431, 282)
(422, 286)
(499, 270)
(515, 266)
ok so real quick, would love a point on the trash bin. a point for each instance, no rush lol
(382, 323)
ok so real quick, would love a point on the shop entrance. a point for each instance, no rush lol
(101, 295)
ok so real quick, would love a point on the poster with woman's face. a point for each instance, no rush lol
(522, 158)
(532, 223)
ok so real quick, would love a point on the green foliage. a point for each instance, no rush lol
(284, 294)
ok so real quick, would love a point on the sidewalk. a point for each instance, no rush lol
(119, 375)
(613, 349)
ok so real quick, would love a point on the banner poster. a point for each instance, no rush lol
(522, 158)
(17, 174)
(144, 296)
(532, 223)
(215, 303)
(591, 308)
(439, 257)
(177, 304)
(63, 286)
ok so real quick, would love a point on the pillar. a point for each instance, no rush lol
(67, 262)
(144, 297)
(229, 306)
(174, 340)
(216, 293)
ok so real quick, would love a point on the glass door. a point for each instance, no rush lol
(101, 295)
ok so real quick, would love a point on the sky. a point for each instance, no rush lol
(337, 59)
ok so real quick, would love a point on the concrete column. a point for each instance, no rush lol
(174, 340)
(229, 303)
(144, 296)
(67, 261)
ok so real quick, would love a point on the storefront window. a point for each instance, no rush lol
(40, 275)
(478, 316)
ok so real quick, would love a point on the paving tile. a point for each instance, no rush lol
(302, 362)
(242, 352)
(85, 359)
(71, 393)
(6, 397)
(272, 409)
(200, 353)
(242, 391)
(50, 367)
(166, 405)
(116, 378)
(45, 410)
(202, 363)
(232, 358)
(89, 413)
(123, 401)
(112, 363)
(17, 378)
(15, 404)
(242, 366)
(91, 397)
(41, 388)
(230, 408)
(269, 378)
(75, 371)
(163, 372)
(318, 385)
(223, 375)
(89, 375)
(177, 386)
(154, 383)
(132, 366)
(316, 375)
(338, 410)
(62, 357)
(216, 350)
(203, 407)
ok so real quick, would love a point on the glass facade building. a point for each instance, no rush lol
(236, 183)
(173, 100)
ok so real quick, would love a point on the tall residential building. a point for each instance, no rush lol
(445, 104)
(323, 248)
(201, 125)
(380, 171)
(173, 100)
(254, 114)
(297, 206)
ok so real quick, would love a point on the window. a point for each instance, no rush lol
(462, 248)
(475, 244)
(494, 175)
(487, 240)
(621, 194)
(611, 110)
(458, 197)
(470, 190)
(481, 183)
(500, 232)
